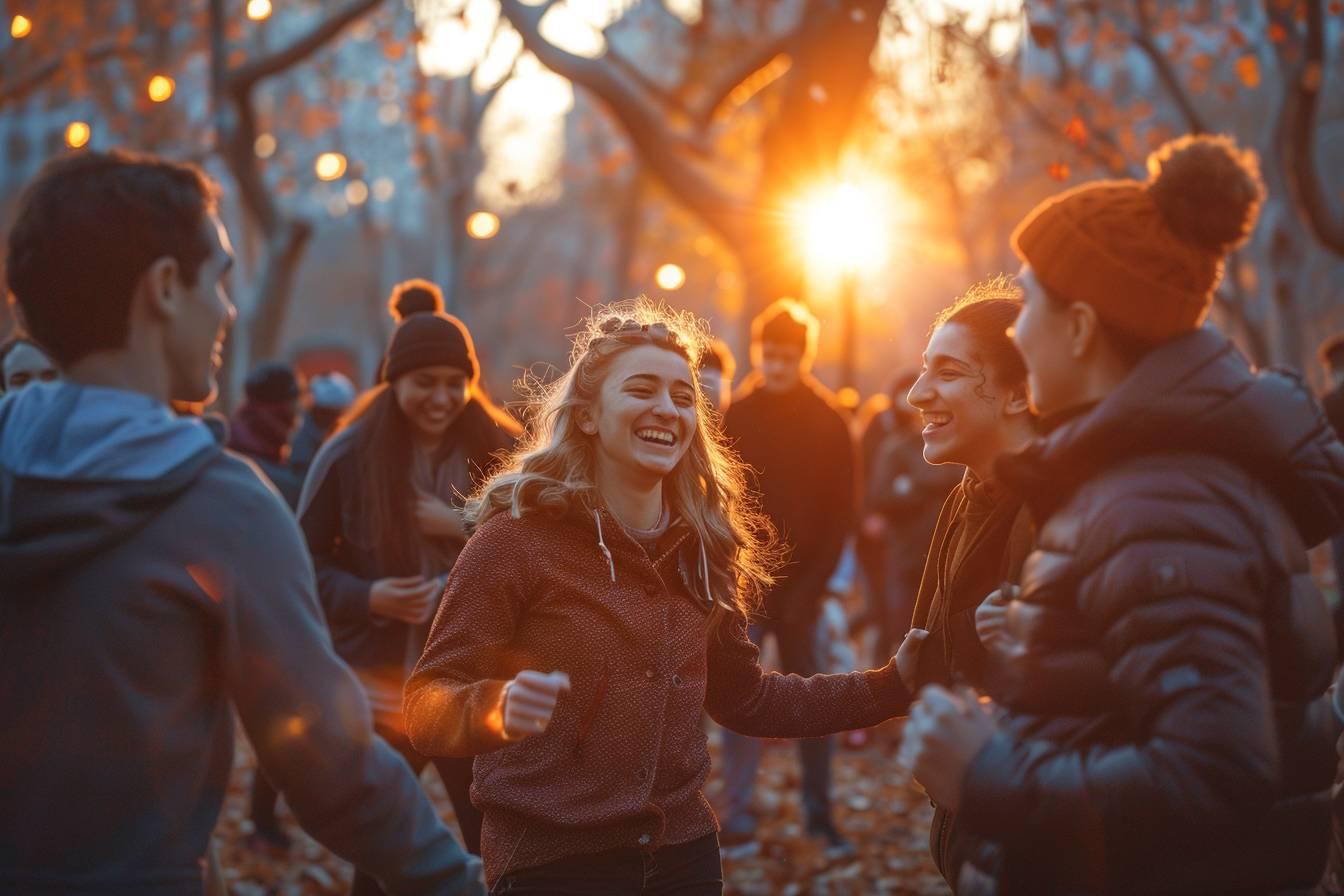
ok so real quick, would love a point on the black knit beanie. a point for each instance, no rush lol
(784, 329)
(271, 383)
(429, 340)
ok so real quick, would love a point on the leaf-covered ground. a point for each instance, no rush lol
(876, 807)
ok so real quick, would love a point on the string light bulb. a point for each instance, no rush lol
(77, 134)
(20, 27)
(161, 88)
(483, 225)
(329, 166)
(258, 10)
(670, 277)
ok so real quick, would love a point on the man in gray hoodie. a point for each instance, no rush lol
(149, 578)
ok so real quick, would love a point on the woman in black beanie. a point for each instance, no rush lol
(381, 513)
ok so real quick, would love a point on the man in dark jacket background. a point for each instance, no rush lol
(261, 427)
(1163, 728)
(787, 429)
(149, 579)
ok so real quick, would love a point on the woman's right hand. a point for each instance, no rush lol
(405, 598)
(529, 702)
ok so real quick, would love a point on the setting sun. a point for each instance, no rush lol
(841, 228)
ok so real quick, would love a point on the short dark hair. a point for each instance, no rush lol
(988, 309)
(718, 356)
(88, 227)
(1331, 352)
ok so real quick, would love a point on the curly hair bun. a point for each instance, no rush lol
(1208, 190)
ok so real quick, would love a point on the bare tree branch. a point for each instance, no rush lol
(644, 119)
(628, 69)
(1142, 37)
(1113, 160)
(305, 45)
(30, 82)
(746, 65)
(1303, 177)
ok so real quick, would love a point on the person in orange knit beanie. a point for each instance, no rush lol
(1157, 723)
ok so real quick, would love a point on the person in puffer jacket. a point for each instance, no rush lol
(1161, 725)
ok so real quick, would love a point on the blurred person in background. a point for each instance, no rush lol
(329, 396)
(261, 426)
(717, 367)
(382, 514)
(22, 361)
(785, 425)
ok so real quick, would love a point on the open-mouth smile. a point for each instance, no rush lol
(934, 420)
(657, 437)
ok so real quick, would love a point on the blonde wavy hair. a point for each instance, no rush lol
(552, 471)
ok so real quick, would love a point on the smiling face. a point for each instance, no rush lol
(26, 363)
(195, 336)
(432, 398)
(966, 412)
(645, 414)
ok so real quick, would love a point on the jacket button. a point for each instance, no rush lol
(642, 774)
(676, 681)
(645, 839)
(649, 673)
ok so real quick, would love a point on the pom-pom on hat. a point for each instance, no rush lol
(429, 340)
(414, 296)
(1148, 255)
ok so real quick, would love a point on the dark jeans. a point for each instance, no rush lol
(686, 869)
(456, 776)
(798, 649)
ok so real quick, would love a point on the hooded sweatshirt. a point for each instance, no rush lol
(1165, 730)
(148, 579)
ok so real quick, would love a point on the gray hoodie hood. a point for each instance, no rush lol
(82, 468)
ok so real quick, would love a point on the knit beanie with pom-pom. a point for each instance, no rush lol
(1148, 255)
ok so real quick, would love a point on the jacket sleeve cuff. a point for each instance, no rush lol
(988, 793)
(889, 691)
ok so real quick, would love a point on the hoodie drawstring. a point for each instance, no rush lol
(704, 573)
(602, 545)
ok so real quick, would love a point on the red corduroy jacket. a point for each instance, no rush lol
(624, 759)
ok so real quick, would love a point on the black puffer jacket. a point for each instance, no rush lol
(1163, 732)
